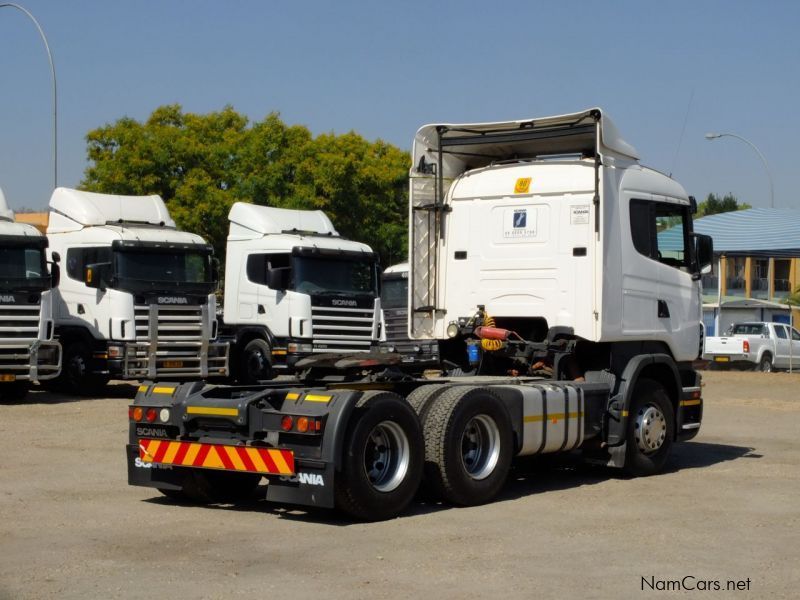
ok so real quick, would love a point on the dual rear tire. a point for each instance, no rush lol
(468, 444)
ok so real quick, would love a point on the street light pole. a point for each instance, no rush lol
(53, 77)
(713, 136)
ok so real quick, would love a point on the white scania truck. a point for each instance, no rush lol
(417, 355)
(293, 288)
(28, 352)
(544, 257)
(137, 297)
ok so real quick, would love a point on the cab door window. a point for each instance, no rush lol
(659, 230)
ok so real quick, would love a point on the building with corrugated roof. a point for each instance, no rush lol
(757, 266)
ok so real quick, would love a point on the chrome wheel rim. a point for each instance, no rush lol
(480, 447)
(386, 456)
(650, 429)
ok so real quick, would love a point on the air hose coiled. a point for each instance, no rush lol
(486, 344)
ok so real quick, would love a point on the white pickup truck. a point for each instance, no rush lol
(757, 345)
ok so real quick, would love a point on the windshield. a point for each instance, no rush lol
(23, 268)
(334, 276)
(151, 270)
(394, 293)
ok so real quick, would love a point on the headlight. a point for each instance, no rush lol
(116, 351)
(294, 348)
(452, 330)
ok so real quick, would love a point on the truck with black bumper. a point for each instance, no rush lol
(560, 301)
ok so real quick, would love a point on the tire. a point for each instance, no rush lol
(207, 486)
(422, 398)
(765, 364)
(75, 376)
(255, 362)
(383, 458)
(468, 445)
(15, 391)
(651, 429)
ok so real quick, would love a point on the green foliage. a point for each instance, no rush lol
(714, 205)
(794, 298)
(202, 164)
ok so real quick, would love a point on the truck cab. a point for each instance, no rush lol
(422, 354)
(28, 352)
(137, 297)
(551, 228)
(293, 288)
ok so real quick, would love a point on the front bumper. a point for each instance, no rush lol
(141, 360)
(690, 413)
(34, 362)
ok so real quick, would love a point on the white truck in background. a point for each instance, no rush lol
(419, 354)
(28, 353)
(759, 345)
(294, 288)
(137, 297)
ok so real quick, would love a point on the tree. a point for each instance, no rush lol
(202, 164)
(714, 205)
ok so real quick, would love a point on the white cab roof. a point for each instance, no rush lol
(470, 145)
(88, 208)
(398, 268)
(6, 214)
(10, 227)
(264, 220)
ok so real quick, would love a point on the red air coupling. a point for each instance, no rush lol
(492, 333)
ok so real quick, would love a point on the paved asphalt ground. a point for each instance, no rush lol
(726, 509)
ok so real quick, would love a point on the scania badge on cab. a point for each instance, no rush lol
(137, 297)
(545, 259)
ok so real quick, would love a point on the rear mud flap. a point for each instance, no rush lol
(152, 475)
(310, 487)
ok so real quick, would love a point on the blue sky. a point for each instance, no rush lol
(385, 68)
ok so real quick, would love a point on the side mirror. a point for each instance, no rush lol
(276, 279)
(96, 275)
(56, 257)
(703, 252)
(55, 274)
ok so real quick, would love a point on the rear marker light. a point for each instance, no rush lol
(150, 415)
(286, 423)
(302, 424)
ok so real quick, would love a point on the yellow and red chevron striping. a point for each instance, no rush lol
(269, 461)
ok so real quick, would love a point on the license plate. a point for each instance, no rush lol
(173, 364)
(721, 359)
(8, 377)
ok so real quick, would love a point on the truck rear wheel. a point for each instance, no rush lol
(255, 362)
(422, 398)
(383, 458)
(765, 364)
(468, 445)
(651, 429)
